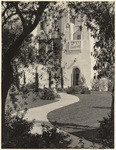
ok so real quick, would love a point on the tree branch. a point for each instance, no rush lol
(6, 19)
(13, 49)
(3, 13)
(38, 15)
(6, 8)
(20, 14)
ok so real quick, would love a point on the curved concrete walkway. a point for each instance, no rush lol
(40, 113)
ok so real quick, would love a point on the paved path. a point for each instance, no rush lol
(39, 114)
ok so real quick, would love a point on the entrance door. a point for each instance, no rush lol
(76, 73)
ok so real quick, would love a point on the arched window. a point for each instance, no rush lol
(76, 74)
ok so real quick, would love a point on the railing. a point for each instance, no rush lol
(75, 45)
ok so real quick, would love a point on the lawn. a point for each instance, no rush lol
(30, 101)
(81, 118)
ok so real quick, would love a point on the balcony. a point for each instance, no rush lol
(73, 45)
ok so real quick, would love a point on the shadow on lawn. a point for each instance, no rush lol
(101, 107)
(90, 135)
(86, 132)
(69, 125)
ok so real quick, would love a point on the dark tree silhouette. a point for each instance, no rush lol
(19, 19)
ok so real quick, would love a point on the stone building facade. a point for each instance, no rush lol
(76, 55)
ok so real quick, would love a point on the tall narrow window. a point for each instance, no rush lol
(77, 35)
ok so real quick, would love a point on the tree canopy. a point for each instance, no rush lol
(20, 18)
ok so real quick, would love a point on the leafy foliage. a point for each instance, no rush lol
(21, 137)
(85, 90)
(82, 80)
(7, 39)
(47, 94)
(54, 138)
(100, 84)
(106, 132)
(110, 86)
(19, 19)
(101, 25)
(50, 51)
(60, 89)
(80, 88)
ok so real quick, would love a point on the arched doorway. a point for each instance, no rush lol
(76, 73)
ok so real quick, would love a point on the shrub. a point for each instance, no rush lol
(53, 138)
(24, 89)
(106, 132)
(60, 89)
(13, 90)
(82, 81)
(85, 90)
(95, 85)
(78, 90)
(18, 132)
(110, 86)
(74, 90)
(20, 137)
(30, 86)
(47, 94)
(100, 84)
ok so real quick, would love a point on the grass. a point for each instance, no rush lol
(30, 100)
(81, 118)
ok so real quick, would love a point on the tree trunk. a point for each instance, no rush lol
(62, 81)
(112, 105)
(17, 82)
(56, 84)
(7, 79)
(7, 72)
(24, 79)
(36, 82)
(50, 78)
